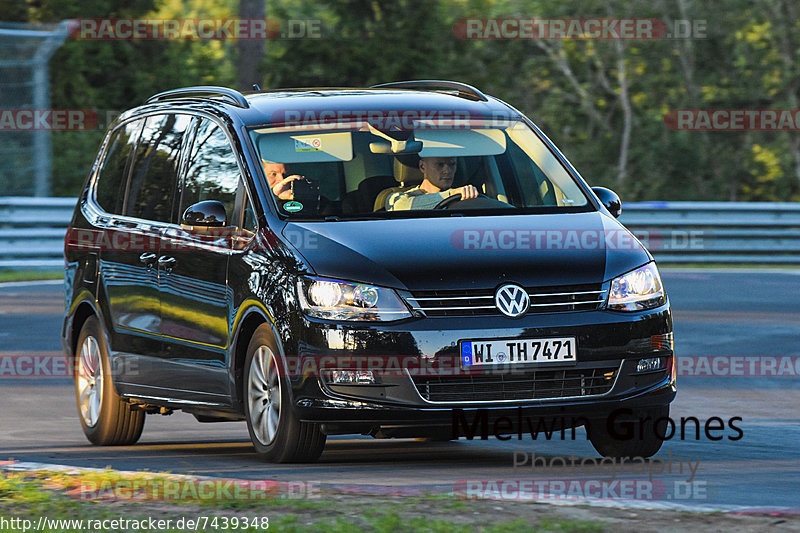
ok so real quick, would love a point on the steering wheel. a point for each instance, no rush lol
(448, 201)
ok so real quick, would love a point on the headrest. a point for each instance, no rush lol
(406, 170)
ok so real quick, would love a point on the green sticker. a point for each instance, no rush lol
(292, 207)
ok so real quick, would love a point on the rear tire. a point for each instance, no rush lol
(277, 435)
(106, 419)
(641, 424)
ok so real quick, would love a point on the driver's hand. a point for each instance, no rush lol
(467, 191)
(283, 189)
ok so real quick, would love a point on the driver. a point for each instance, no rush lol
(279, 182)
(439, 173)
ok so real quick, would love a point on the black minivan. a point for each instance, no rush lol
(413, 259)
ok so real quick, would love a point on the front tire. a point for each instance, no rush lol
(277, 435)
(639, 435)
(106, 419)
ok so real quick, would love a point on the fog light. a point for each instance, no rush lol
(350, 377)
(648, 365)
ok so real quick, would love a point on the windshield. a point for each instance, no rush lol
(468, 168)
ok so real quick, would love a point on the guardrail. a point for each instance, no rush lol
(717, 232)
(32, 231)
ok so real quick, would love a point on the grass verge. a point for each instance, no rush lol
(30, 275)
(57, 496)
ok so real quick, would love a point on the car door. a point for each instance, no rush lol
(128, 288)
(196, 301)
(132, 280)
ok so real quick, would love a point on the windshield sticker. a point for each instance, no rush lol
(308, 144)
(292, 207)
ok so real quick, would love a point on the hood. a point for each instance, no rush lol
(470, 252)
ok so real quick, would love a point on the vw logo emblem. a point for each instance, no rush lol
(512, 300)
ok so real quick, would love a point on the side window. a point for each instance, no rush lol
(154, 170)
(110, 186)
(212, 174)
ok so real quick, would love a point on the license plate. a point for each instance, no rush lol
(518, 351)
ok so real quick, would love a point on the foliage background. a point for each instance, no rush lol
(602, 102)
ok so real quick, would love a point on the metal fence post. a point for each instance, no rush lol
(47, 39)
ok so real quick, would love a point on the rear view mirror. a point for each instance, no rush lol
(209, 214)
(396, 147)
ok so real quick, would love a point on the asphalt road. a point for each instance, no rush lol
(717, 313)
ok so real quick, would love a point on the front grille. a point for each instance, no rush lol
(480, 302)
(529, 385)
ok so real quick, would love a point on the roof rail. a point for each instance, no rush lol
(231, 96)
(463, 89)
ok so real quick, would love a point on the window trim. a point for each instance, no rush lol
(98, 210)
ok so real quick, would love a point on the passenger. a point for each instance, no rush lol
(439, 173)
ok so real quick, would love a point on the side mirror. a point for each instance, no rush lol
(210, 214)
(610, 200)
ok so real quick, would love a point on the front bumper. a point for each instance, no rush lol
(606, 340)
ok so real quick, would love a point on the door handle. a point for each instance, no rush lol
(147, 258)
(166, 262)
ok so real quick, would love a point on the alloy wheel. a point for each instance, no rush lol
(90, 381)
(264, 395)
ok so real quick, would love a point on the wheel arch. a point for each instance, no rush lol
(252, 318)
(80, 315)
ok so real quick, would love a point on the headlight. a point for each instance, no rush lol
(344, 300)
(637, 290)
